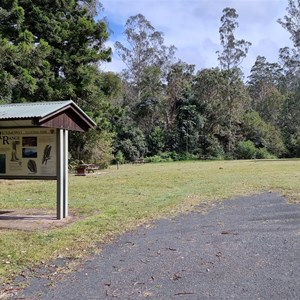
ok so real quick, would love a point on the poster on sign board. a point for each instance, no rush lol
(29, 152)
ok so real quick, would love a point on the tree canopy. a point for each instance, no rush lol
(158, 107)
(49, 49)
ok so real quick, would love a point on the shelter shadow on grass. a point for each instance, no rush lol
(31, 220)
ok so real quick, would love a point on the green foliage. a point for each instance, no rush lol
(275, 141)
(246, 150)
(156, 141)
(234, 95)
(48, 50)
(147, 114)
(263, 153)
(291, 21)
(222, 100)
(213, 148)
(157, 159)
(265, 86)
(73, 164)
(158, 107)
(132, 144)
(263, 73)
(111, 86)
(189, 123)
(119, 157)
(98, 148)
(133, 149)
(185, 156)
(290, 64)
(262, 134)
(291, 123)
(171, 156)
(146, 50)
(94, 146)
(290, 57)
(21, 66)
(270, 106)
(178, 90)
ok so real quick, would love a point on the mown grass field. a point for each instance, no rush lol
(114, 201)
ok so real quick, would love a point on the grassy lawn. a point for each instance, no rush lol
(114, 201)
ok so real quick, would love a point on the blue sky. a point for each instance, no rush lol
(192, 26)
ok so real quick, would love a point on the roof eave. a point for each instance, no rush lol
(90, 123)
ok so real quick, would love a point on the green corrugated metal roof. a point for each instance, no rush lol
(31, 110)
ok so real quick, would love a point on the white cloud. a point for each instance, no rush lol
(193, 27)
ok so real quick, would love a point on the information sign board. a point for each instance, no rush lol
(28, 152)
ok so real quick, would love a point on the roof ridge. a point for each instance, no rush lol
(36, 103)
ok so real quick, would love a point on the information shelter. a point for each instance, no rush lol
(34, 143)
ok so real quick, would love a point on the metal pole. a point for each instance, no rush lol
(65, 163)
(60, 174)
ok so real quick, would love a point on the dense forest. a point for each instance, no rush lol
(158, 108)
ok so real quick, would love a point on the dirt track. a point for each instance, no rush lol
(248, 248)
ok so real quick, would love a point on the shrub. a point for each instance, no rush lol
(73, 164)
(161, 157)
(98, 148)
(187, 156)
(246, 150)
(119, 157)
(153, 159)
(263, 153)
(214, 149)
(263, 134)
(170, 156)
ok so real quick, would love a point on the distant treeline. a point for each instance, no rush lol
(158, 108)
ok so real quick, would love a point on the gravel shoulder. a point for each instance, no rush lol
(246, 248)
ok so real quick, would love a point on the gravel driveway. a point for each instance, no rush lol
(247, 248)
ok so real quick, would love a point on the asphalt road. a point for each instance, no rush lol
(247, 248)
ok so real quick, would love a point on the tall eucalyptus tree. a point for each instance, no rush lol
(142, 49)
(290, 57)
(290, 60)
(230, 58)
(265, 87)
(234, 50)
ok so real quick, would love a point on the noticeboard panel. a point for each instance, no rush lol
(28, 153)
